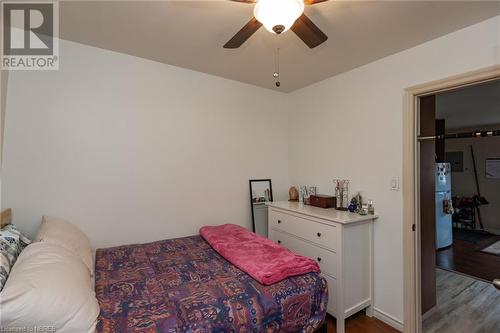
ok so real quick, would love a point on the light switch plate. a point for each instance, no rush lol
(395, 184)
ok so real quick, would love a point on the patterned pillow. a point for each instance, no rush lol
(12, 242)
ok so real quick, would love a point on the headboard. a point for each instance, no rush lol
(5, 217)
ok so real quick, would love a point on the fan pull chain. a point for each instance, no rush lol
(276, 73)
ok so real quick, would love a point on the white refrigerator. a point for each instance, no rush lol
(444, 230)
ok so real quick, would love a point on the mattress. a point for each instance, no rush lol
(183, 285)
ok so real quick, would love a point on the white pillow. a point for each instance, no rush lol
(67, 235)
(49, 286)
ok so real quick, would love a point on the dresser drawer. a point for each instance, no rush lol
(327, 260)
(322, 234)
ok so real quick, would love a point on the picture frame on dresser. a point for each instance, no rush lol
(261, 192)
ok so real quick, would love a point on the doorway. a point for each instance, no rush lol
(459, 136)
(417, 197)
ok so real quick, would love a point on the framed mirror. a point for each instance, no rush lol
(261, 191)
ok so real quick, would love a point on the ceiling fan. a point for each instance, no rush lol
(278, 16)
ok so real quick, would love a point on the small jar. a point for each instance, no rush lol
(371, 208)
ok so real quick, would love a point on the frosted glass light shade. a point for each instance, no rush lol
(275, 13)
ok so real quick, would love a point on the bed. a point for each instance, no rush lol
(183, 285)
(177, 285)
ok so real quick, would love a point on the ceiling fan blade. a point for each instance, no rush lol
(241, 36)
(308, 32)
(250, 1)
(308, 2)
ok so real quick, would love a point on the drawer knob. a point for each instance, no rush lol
(319, 259)
(279, 221)
(279, 242)
(319, 234)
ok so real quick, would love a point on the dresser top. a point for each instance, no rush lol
(330, 214)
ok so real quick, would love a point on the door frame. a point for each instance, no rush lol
(411, 205)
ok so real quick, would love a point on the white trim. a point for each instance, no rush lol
(388, 319)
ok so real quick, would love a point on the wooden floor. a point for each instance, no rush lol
(464, 257)
(464, 304)
(360, 323)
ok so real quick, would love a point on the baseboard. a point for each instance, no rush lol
(493, 231)
(388, 319)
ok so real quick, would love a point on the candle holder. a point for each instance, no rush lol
(342, 193)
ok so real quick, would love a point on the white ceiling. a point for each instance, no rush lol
(474, 106)
(190, 34)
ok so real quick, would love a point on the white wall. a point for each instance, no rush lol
(132, 150)
(350, 126)
(4, 74)
(463, 183)
(473, 106)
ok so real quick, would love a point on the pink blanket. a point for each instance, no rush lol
(259, 257)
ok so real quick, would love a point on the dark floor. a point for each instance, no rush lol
(465, 257)
(360, 323)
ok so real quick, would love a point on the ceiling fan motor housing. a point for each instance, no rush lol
(278, 29)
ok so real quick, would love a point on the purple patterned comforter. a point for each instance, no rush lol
(183, 285)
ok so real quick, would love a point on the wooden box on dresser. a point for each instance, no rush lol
(342, 244)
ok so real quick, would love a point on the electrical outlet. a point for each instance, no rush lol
(395, 184)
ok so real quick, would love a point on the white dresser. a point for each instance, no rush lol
(342, 244)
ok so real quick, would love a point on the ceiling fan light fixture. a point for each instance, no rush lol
(278, 16)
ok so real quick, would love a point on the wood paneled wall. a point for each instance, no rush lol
(428, 202)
